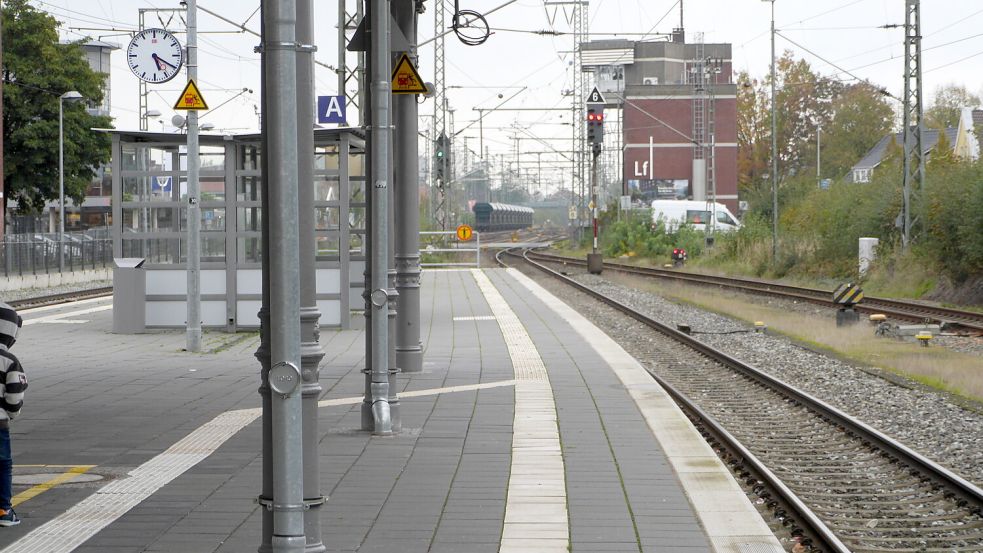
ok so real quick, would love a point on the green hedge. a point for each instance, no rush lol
(819, 229)
(634, 235)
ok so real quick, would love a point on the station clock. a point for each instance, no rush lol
(154, 55)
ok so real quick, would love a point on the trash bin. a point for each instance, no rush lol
(129, 295)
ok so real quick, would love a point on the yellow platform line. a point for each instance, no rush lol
(39, 489)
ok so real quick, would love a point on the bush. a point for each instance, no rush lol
(819, 229)
(952, 211)
(634, 235)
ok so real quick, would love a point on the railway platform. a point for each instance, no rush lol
(529, 430)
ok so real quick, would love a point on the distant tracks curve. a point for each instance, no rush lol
(895, 309)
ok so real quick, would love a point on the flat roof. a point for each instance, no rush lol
(320, 134)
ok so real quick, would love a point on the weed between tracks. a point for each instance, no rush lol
(936, 367)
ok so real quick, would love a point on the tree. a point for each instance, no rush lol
(947, 108)
(37, 69)
(753, 130)
(804, 101)
(861, 117)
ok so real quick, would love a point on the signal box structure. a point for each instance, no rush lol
(149, 222)
(669, 100)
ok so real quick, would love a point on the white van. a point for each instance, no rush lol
(676, 212)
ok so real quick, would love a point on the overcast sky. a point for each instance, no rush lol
(843, 33)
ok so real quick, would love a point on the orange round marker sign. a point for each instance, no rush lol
(464, 233)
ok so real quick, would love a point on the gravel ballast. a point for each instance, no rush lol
(25, 293)
(927, 421)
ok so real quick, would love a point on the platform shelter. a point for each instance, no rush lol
(149, 221)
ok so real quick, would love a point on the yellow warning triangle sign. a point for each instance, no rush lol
(191, 98)
(406, 79)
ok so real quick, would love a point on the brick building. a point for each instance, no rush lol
(673, 95)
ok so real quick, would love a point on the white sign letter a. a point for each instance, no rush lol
(334, 108)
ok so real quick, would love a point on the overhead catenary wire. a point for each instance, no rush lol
(880, 89)
(960, 60)
(245, 29)
(937, 46)
(447, 32)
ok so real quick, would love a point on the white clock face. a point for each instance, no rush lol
(154, 55)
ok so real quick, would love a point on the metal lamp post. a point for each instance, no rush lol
(71, 96)
(774, 145)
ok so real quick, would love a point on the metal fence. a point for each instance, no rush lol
(32, 254)
(443, 249)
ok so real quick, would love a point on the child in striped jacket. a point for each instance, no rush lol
(13, 382)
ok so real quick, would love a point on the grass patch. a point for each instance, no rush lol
(935, 367)
(901, 277)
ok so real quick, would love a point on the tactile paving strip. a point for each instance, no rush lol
(536, 508)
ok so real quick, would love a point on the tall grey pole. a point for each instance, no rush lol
(368, 420)
(819, 152)
(194, 209)
(281, 128)
(378, 293)
(310, 348)
(593, 197)
(774, 147)
(61, 186)
(263, 352)
(409, 350)
(393, 295)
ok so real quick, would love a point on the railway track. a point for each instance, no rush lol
(67, 297)
(895, 309)
(831, 480)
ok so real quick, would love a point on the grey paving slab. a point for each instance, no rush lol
(439, 486)
(606, 441)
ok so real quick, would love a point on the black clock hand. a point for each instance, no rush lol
(166, 63)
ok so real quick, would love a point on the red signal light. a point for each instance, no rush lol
(600, 117)
(590, 116)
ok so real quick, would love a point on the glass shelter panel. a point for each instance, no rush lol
(149, 208)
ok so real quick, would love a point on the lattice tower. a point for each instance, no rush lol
(914, 159)
(440, 114)
(580, 12)
(697, 74)
(350, 76)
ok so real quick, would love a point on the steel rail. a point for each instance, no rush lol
(66, 297)
(896, 309)
(968, 493)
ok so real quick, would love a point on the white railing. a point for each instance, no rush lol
(444, 244)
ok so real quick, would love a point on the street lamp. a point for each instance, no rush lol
(774, 145)
(71, 96)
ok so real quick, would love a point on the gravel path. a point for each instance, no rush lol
(924, 420)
